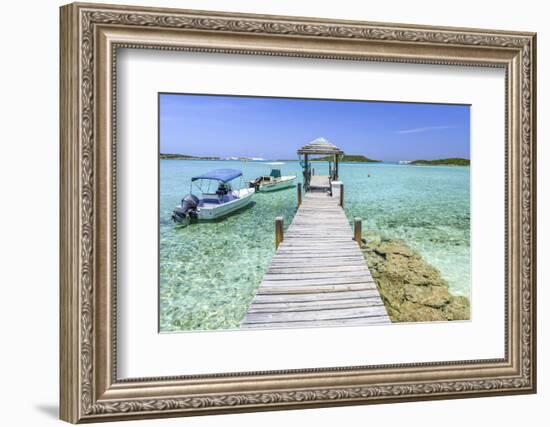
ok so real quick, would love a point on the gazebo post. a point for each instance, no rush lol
(306, 174)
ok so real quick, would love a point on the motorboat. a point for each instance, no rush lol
(216, 198)
(274, 181)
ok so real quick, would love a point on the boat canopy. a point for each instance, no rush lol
(223, 175)
(275, 173)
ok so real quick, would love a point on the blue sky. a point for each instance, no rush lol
(274, 128)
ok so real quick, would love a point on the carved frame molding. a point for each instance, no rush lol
(90, 37)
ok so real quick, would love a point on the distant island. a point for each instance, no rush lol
(357, 158)
(352, 158)
(453, 161)
(167, 156)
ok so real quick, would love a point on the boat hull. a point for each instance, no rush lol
(213, 213)
(279, 185)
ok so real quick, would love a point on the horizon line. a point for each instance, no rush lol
(260, 158)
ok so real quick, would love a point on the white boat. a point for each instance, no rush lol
(273, 181)
(212, 203)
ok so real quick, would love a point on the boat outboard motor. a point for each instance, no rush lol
(256, 183)
(187, 209)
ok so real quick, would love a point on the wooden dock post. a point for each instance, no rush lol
(279, 221)
(299, 193)
(342, 196)
(357, 230)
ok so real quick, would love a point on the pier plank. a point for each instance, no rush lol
(303, 289)
(321, 281)
(318, 276)
(320, 314)
(314, 269)
(313, 262)
(335, 296)
(313, 305)
(360, 321)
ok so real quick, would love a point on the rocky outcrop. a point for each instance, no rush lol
(412, 289)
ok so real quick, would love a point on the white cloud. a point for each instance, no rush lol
(423, 129)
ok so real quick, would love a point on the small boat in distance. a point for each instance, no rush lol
(273, 181)
(214, 201)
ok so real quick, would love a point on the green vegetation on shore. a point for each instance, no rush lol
(412, 290)
(453, 161)
(358, 158)
(166, 156)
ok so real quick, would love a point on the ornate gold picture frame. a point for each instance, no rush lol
(90, 37)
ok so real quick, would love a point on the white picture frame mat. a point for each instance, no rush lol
(143, 352)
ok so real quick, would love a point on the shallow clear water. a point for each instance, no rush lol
(209, 271)
(426, 206)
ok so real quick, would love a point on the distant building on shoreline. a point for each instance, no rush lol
(245, 158)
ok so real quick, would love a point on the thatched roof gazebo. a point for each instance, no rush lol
(319, 146)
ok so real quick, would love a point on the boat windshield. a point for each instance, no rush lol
(213, 187)
(217, 182)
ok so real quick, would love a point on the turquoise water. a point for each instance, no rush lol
(209, 272)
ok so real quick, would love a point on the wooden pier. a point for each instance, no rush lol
(318, 275)
(319, 183)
